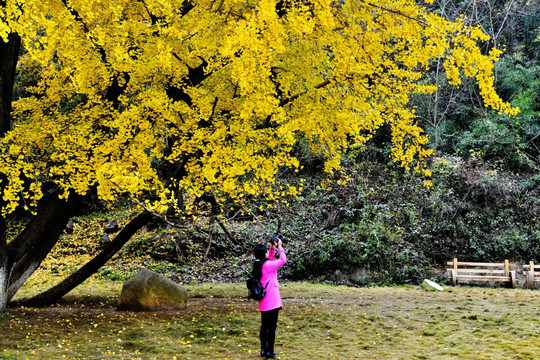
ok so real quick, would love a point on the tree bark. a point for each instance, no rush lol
(4, 275)
(27, 251)
(55, 293)
(23, 255)
(8, 63)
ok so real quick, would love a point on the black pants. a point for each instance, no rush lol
(268, 329)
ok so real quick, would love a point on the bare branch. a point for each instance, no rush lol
(397, 12)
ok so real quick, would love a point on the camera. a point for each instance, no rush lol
(275, 239)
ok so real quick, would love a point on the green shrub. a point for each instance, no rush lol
(385, 221)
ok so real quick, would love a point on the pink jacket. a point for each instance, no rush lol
(269, 280)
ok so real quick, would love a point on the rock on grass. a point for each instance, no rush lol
(147, 291)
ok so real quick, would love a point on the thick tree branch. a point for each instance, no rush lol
(55, 293)
(195, 77)
(33, 244)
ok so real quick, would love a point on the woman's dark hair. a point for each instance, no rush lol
(260, 254)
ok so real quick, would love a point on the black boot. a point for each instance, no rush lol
(263, 353)
(272, 355)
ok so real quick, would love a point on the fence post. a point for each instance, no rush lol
(530, 276)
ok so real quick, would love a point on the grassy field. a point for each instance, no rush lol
(318, 322)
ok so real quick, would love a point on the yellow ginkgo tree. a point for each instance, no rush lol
(207, 98)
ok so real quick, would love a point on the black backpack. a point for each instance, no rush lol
(255, 289)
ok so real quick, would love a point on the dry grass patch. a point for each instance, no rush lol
(317, 322)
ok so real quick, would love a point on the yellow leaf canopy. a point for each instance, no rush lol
(210, 96)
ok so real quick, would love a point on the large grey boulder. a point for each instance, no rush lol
(148, 290)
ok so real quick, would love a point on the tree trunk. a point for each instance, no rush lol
(8, 63)
(55, 293)
(26, 252)
(4, 275)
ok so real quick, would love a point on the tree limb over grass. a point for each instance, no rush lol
(55, 293)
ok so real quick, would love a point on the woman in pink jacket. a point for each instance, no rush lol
(265, 268)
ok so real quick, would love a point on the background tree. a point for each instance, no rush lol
(452, 115)
(207, 99)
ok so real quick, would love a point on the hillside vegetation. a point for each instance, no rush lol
(381, 226)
